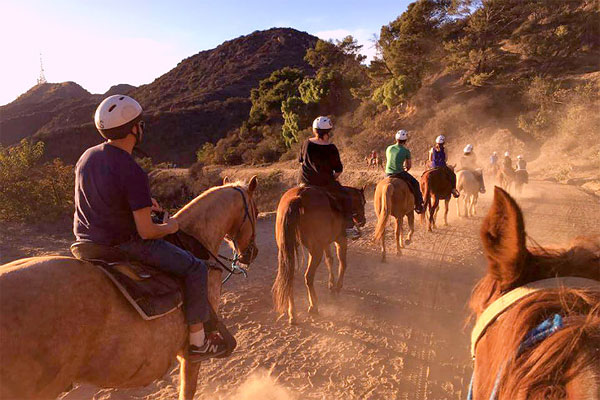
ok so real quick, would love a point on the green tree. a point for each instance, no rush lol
(267, 98)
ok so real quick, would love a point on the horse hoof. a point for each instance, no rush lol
(293, 321)
(313, 310)
(407, 242)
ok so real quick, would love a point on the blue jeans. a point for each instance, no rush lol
(413, 184)
(173, 260)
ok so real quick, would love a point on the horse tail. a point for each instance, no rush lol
(287, 244)
(386, 209)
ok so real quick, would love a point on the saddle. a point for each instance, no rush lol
(151, 292)
(333, 202)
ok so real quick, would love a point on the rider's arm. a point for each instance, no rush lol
(431, 154)
(336, 163)
(148, 229)
(408, 164)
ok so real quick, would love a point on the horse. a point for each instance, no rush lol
(521, 178)
(393, 197)
(469, 186)
(505, 177)
(306, 216)
(517, 356)
(63, 320)
(435, 186)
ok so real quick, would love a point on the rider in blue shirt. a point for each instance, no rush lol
(438, 158)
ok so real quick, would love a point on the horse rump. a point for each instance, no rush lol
(286, 233)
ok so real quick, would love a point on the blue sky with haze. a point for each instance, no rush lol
(101, 43)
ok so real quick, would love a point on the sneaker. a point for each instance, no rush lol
(482, 190)
(455, 193)
(214, 346)
(352, 233)
(419, 209)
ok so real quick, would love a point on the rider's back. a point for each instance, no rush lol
(109, 185)
(319, 163)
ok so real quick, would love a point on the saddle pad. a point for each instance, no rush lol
(152, 297)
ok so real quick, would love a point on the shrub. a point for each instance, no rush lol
(31, 190)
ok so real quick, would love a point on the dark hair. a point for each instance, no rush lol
(322, 132)
(120, 132)
(401, 141)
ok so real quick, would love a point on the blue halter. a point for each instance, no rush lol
(534, 336)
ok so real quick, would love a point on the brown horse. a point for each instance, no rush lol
(521, 178)
(305, 216)
(435, 186)
(564, 365)
(468, 185)
(505, 177)
(393, 197)
(63, 321)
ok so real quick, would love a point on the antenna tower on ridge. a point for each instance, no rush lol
(42, 79)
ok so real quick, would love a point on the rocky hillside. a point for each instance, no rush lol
(202, 99)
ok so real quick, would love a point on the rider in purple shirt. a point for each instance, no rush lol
(438, 158)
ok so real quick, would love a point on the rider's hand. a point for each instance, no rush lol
(156, 206)
(172, 225)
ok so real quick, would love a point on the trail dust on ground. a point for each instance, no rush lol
(396, 330)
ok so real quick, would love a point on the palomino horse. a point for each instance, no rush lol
(305, 216)
(537, 334)
(64, 321)
(505, 177)
(393, 197)
(468, 185)
(435, 186)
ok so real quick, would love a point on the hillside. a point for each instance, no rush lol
(202, 99)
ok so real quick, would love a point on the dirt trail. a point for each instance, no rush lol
(394, 332)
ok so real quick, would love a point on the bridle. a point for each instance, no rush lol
(539, 333)
(245, 256)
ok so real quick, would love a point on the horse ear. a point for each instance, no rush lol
(252, 185)
(503, 237)
(226, 180)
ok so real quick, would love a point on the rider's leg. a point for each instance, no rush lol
(171, 259)
(415, 188)
(345, 202)
(452, 177)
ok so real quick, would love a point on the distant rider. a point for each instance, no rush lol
(399, 163)
(468, 161)
(321, 166)
(507, 162)
(494, 161)
(113, 207)
(522, 168)
(438, 158)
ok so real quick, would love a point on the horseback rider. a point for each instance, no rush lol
(468, 161)
(438, 158)
(507, 162)
(399, 163)
(521, 163)
(321, 166)
(494, 160)
(113, 207)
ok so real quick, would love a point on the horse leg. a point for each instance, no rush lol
(446, 201)
(342, 248)
(458, 206)
(291, 311)
(411, 226)
(432, 213)
(474, 204)
(314, 259)
(383, 246)
(329, 263)
(398, 232)
(188, 375)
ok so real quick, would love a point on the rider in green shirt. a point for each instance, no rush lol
(397, 166)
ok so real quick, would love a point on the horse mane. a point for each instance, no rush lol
(544, 370)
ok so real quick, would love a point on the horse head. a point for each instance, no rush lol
(242, 235)
(552, 295)
(358, 205)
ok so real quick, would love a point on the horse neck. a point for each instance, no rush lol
(209, 217)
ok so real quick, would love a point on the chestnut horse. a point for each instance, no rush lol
(63, 321)
(522, 288)
(505, 177)
(393, 197)
(435, 186)
(468, 185)
(305, 216)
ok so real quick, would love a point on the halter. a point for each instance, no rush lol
(536, 335)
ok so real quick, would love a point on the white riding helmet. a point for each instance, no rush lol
(116, 115)
(401, 135)
(495, 153)
(468, 148)
(519, 157)
(440, 139)
(322, 123)
(506, 154)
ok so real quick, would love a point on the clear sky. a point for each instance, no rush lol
(100, 43)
